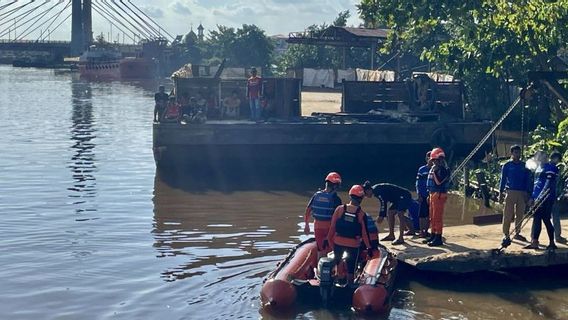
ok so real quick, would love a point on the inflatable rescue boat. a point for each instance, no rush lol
(301, 272)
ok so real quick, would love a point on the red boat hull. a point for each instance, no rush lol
(371, 288)
(109, 70)
(138, 68)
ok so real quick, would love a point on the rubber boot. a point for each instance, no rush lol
(437, 241)
(432, 237)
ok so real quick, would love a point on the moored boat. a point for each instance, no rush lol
(301, 272)
(138, 68)
(100, 63)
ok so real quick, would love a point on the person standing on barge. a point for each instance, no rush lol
(254, 93)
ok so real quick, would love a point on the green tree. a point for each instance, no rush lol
(486, 43)
(242, 47)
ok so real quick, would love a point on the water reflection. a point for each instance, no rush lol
(200, 230)
(83, 160)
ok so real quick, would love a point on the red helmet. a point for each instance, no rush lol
(357, 190)
(333, 177)
(437, 153)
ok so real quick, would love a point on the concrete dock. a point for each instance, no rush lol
(471, 248)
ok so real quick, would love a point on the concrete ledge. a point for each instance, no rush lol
(471, 248)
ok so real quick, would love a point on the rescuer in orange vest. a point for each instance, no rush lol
(321, 207)
(348, 229)
(437, 183)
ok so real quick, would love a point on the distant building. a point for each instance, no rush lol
(200, 32)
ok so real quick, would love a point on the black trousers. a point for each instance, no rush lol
(543, 215)
(352, 255)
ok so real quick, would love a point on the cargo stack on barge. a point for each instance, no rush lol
(379, 122)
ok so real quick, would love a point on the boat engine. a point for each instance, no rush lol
(324, 274)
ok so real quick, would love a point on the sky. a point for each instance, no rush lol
(274, 16)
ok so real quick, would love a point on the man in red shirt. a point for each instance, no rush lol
(254, 91)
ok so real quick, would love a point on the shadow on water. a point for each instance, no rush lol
(227, 179)
(83, 160)
(516, 286)
(201, 230)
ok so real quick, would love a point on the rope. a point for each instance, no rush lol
(522, 129)
(485, 138)
(152, 20)
(53, 19)
(539, 202)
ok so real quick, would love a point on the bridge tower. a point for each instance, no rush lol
(81, 26)
(87, 23)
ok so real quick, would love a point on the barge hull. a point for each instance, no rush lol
(248, 147)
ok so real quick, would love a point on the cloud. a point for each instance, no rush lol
(153, 12)
(181, 9)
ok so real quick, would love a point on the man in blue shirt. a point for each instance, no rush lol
(543, 196)
(422, 192)
(514, 189)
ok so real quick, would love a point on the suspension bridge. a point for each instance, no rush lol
(30, 25)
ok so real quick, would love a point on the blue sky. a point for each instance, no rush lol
(274, 16)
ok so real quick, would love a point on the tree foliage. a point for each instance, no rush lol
(242, 47)
(486, 43)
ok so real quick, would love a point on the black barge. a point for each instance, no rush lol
(392, 123)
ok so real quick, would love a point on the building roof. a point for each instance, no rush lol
(368, 33)
(340, 37)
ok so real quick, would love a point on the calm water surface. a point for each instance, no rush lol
(89, 230)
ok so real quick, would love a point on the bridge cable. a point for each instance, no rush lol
(153, 32)
(2, 7)
(53, 20)
(9, 12)
(108, 7)
(57, 26)
(105, 9)
(23, 15)
(113, 20)
(39, 17)
(147, 33)
(152, 20)
(3, 32)
(156, 32)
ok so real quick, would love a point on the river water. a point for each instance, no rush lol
(90, 230)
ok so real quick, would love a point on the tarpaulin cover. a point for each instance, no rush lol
(374, 75)
(319, 78)
(347, 75)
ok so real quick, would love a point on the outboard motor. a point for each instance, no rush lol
(324, 274)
